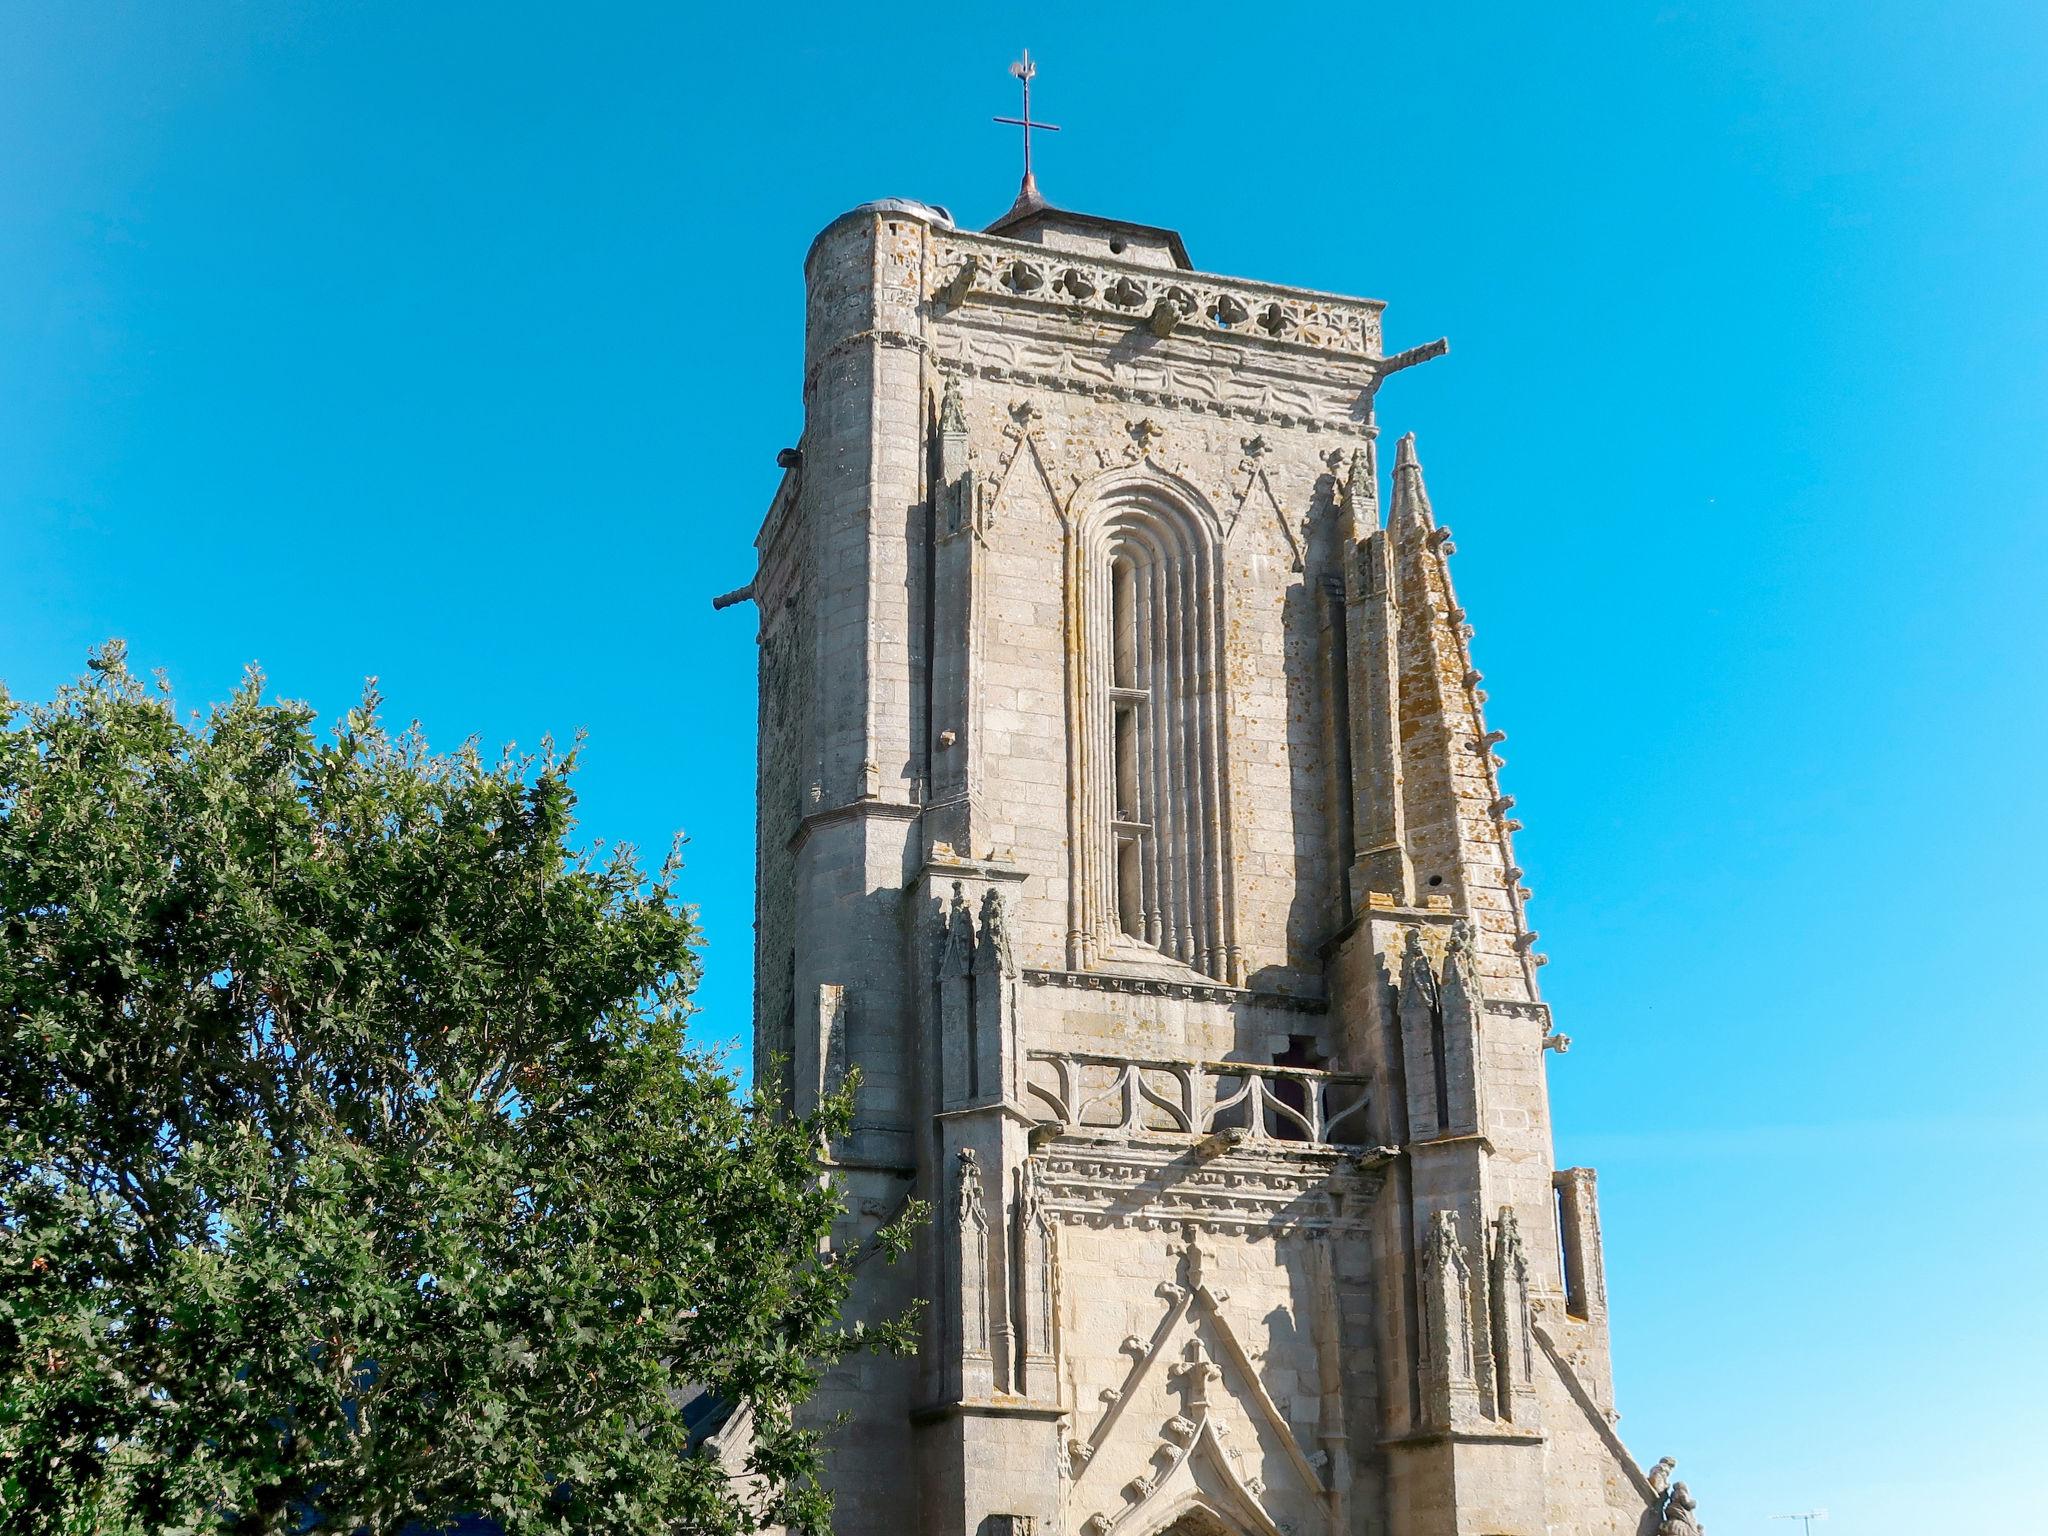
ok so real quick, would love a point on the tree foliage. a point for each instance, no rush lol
(355, 1172)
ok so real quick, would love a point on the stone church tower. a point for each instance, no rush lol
(1130, 821)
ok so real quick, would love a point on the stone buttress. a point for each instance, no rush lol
(1130, 823)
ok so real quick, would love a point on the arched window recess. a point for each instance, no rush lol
(1152, 834)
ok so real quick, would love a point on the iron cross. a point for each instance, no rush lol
(1024, 69)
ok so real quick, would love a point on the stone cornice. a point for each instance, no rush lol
(939, 867)
(1463, 1437)
(1016, 1408)
(1153, 986)
(1448, 1143)
(888, 338)
(852, 810)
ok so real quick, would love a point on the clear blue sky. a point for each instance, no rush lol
(454, 344)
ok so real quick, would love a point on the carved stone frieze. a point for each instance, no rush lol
(1199, 386)
(1166, 303)
(1104, 1186)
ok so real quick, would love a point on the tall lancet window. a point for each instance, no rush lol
(1152, 852)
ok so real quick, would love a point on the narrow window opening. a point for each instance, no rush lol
(973, 1041)
(1439, 1050)
(1130, 886)
(1128, 798)
(1123, 657)
(1568, 1258)
(1578, 1241)
(1132, 810)
(1292, 1091)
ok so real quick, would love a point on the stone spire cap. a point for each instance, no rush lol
(1411, 497)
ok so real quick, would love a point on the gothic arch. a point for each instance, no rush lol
(1195, 1516)
(1148, 738)
(1144, 484)
(1186, 1507)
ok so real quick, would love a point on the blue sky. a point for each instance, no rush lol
(454, 344)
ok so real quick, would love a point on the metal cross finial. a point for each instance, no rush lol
(1024, 69)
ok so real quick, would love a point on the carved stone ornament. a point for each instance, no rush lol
(1417, 974)
(968, 1207)
(952, 414)
(1165, 302)
(1193, 1377)
(1361, 492)
(996, 952)
(1449, 1356)
(1247, 394)
(1036, 1214)
(1680, 1518)
(956, 946)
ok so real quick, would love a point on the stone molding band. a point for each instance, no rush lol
(1152, 986)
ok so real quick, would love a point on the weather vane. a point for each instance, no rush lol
(1024, 69)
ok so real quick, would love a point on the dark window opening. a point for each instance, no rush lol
(1132, 811)
(1292, 1091)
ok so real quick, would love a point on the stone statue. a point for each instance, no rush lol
(995, 933)
(1417, 974)
(967, 1197)
(1660, 1476)
(1678, 1514)
(956, 936)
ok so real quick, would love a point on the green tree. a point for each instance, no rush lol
(354, 1166)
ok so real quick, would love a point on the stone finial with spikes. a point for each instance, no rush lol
(1362, 493)
(1411, 498)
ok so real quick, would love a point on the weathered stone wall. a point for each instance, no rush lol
(1253, 1217)
(786, 754)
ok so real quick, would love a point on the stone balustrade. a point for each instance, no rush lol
(1122, 1095)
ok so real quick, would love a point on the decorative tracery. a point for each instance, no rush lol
(1153, 848)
